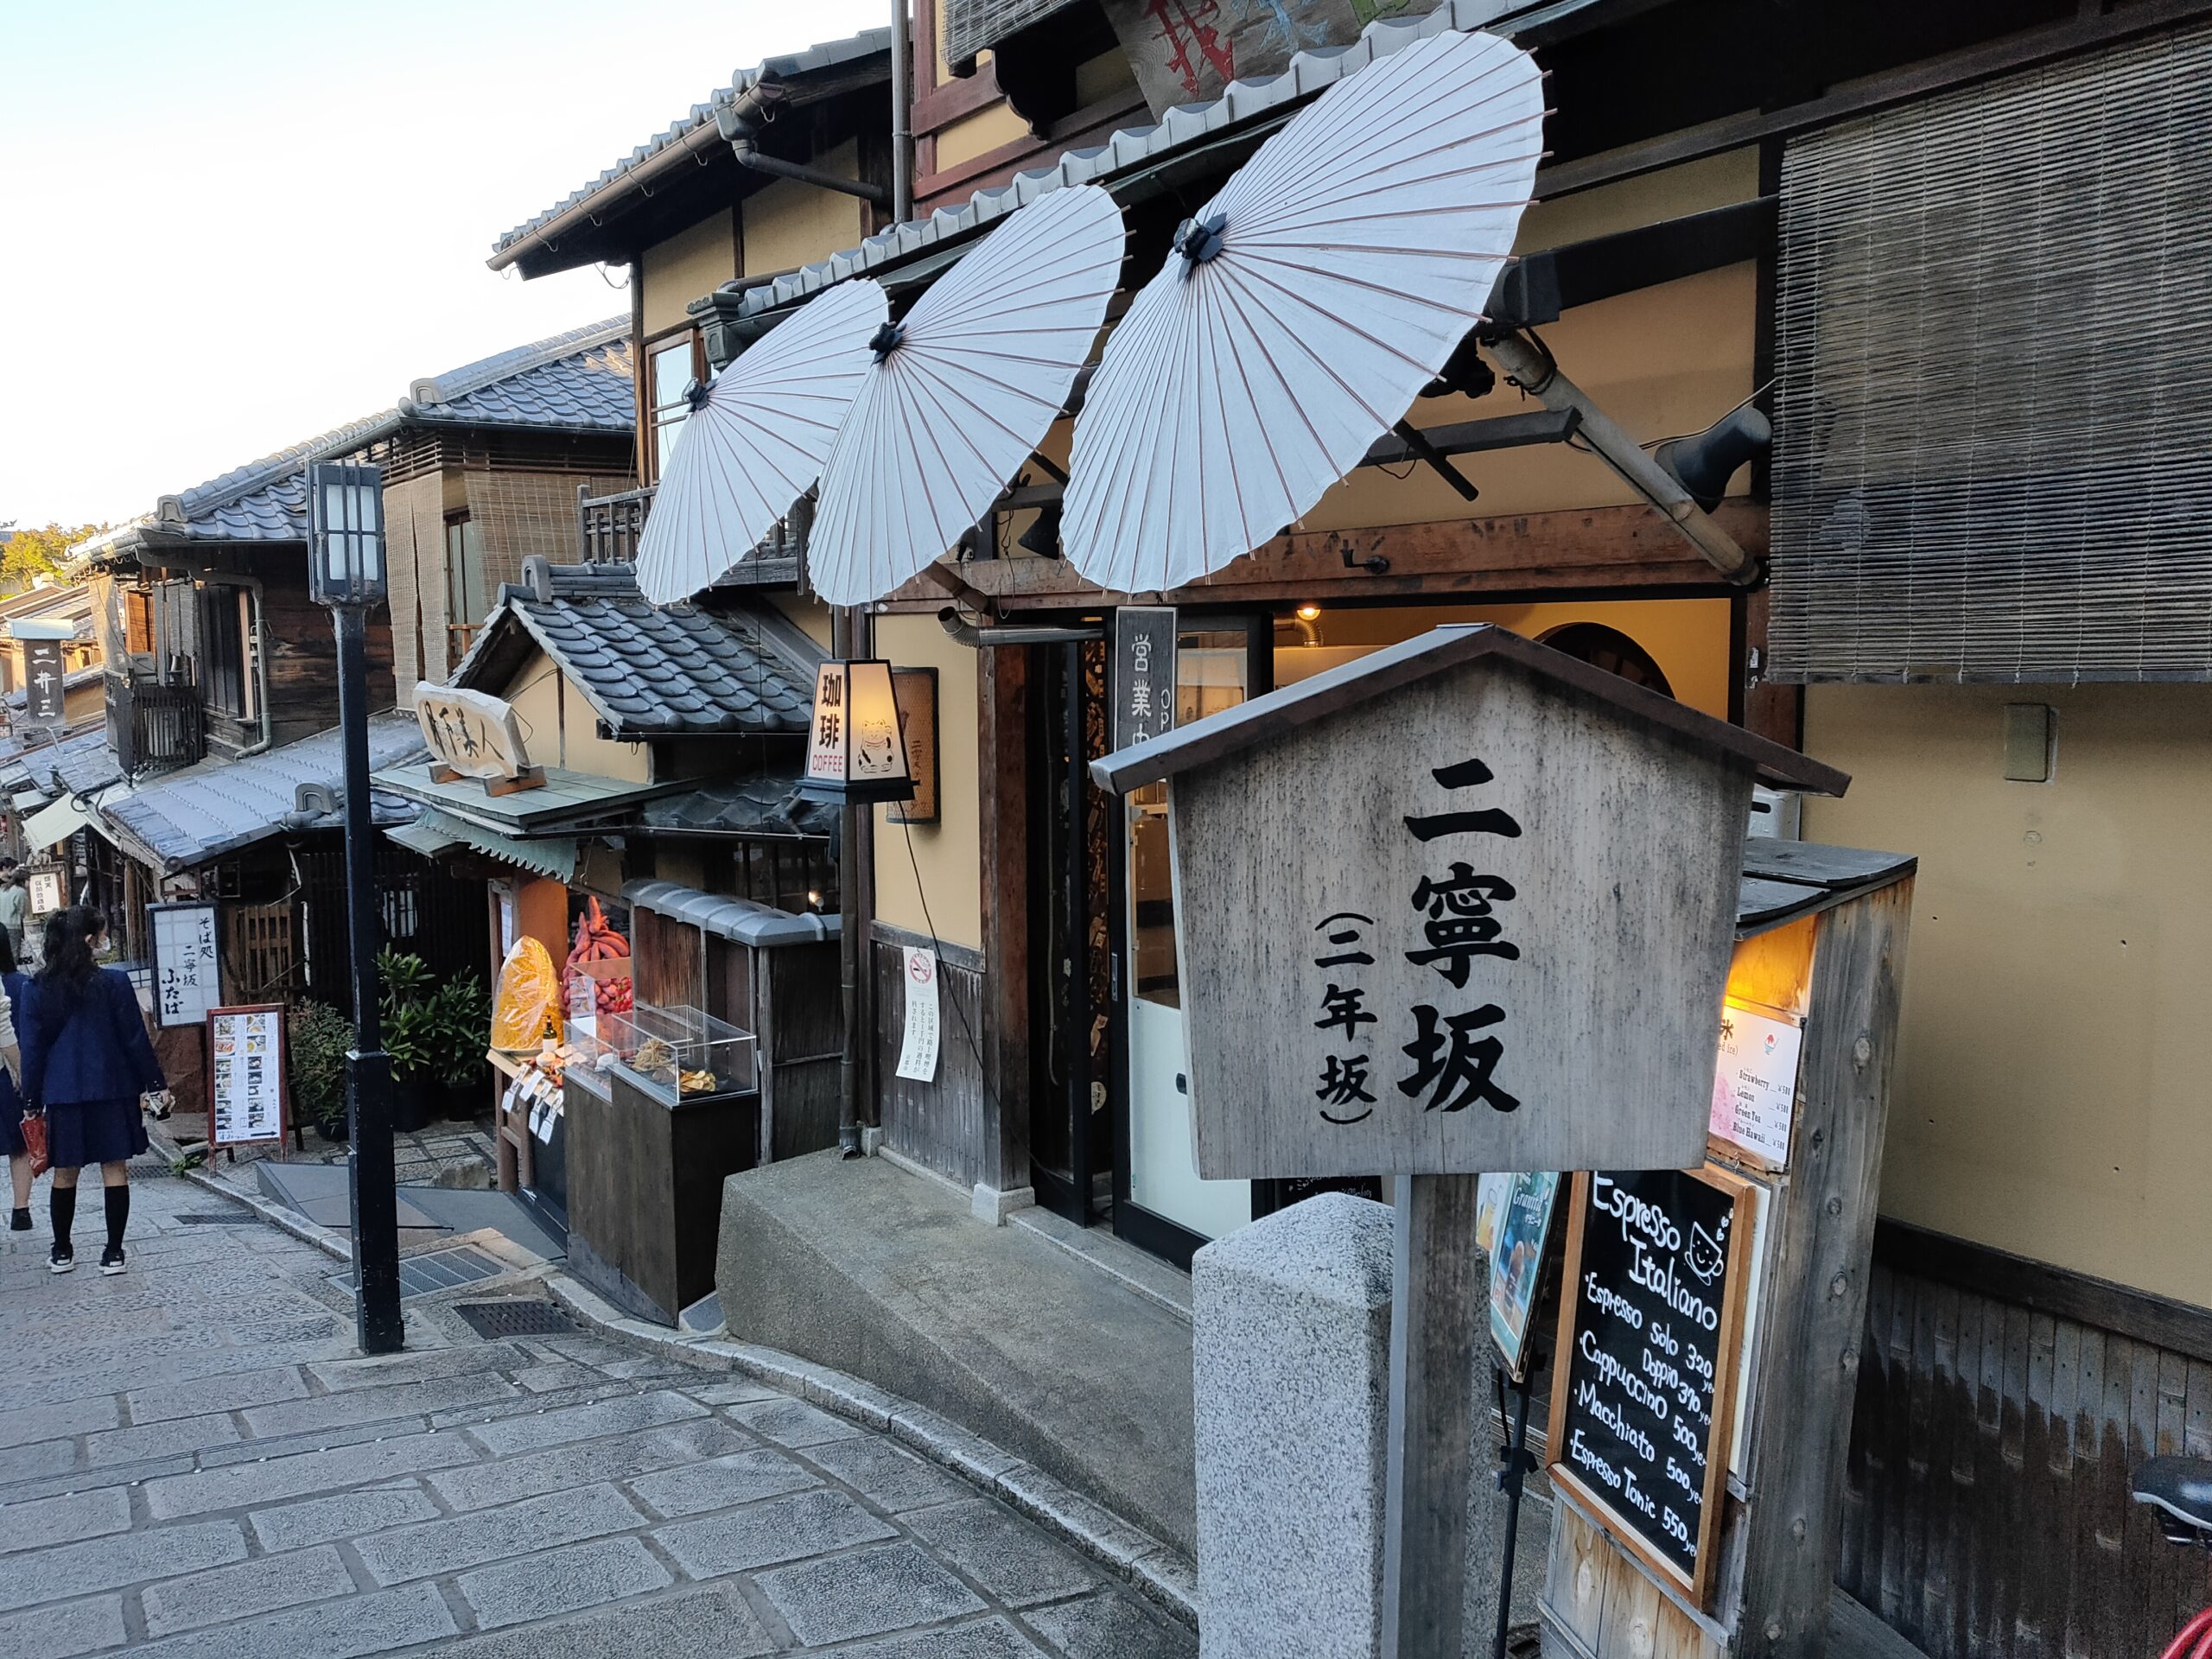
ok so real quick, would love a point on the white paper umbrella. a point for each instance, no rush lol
(755, 440)
(977, 372)
(1304, 308)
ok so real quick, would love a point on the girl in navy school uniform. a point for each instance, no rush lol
(86, 1061)
(11, 1101)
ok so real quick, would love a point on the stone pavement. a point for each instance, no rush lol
(194, 1464)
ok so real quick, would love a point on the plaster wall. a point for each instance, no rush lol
(693, 262)
(2054, 1083)
(789, 223)
(948, 852)
(559, 726)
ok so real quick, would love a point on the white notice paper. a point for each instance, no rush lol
(1755, 1085)
(918, 1055)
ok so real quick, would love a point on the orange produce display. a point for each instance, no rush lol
(601, 956)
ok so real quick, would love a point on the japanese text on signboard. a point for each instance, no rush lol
(1456, 1043)
(187, 968)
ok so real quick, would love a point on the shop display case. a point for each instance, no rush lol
(681, 1053)
(662, 1106)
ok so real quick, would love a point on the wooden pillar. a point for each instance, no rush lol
(1436, 1300)
(1002, 801)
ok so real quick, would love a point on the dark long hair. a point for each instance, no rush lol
(68, 966)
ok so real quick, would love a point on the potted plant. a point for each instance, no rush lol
(463, 1021)
(408, 1005)
(320, 1037)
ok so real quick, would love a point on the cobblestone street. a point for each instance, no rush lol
(193, 1465)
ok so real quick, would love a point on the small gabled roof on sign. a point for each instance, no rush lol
(1378, 673)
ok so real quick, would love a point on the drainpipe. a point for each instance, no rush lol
(739, 121)
(902, 116)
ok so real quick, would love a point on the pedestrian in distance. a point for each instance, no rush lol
(15, 903)
(12, 985)
(87, 1063)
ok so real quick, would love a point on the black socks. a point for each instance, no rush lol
(64, 1200)
(118, 1214)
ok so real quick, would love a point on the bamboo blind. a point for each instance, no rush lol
(1993, 459)
(973, 26)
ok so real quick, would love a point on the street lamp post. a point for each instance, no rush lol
(346, 571)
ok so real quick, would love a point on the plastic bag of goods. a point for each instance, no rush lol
(526, 1009)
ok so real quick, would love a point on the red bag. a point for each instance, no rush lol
(35, 1142)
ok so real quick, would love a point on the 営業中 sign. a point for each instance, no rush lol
(187, 967)
(1650, 1316)
(1144, 672)
(246, 1096)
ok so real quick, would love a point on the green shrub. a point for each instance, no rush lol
(320, 1038)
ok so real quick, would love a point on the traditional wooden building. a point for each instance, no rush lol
(1897, 229)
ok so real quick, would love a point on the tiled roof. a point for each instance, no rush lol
(86, 767)
(576, 381)
(650, 672)
(218, 807)
(1242, 105)
(83, 756)
(765, 805)
(827, 54)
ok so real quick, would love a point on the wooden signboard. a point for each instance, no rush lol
(248, 1101)
(1650, 1319)
(187, 964)
(914, 690)
(474, 734)
(47, 892)
(1185, 51)
(1144, 672)
(1482, 922)
(1463, 905)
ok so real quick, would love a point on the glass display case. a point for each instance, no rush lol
(678, 1054)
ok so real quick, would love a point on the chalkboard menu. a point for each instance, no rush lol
(1650, 1316)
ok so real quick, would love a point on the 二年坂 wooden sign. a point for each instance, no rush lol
(1466, 904)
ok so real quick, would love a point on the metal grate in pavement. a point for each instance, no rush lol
(218, 1218)
(492, 1320)
(436, 1270)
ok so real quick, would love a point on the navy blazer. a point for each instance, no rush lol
(101, 1053)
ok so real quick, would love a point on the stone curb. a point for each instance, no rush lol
(1161, 1572)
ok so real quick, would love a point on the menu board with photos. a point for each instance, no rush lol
(1650, 1317)
(247, 1102)
(187, 967)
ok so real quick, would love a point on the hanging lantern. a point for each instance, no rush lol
(855, 751)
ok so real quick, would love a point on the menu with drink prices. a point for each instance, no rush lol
(245, 1075)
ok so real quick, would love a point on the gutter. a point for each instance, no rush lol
(739, 122)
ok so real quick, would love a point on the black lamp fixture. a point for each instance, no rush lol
(346, 564)
(1704, 464)
(1042, 537)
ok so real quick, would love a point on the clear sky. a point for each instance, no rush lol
(226, 226)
